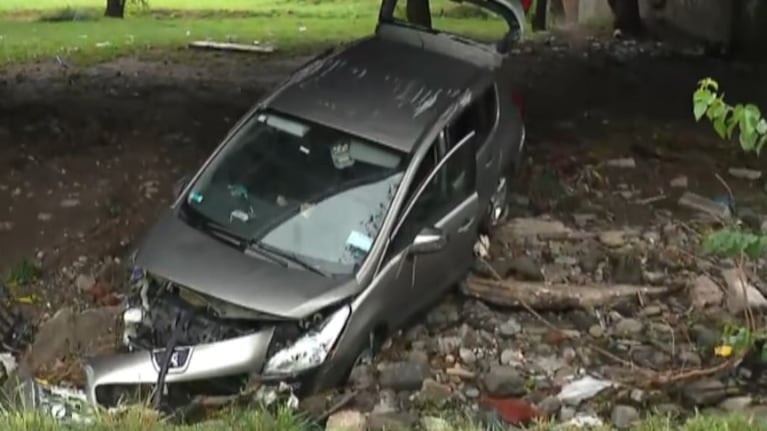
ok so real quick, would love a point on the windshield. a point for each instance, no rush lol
(308, 191)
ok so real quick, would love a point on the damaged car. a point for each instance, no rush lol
(341, 206)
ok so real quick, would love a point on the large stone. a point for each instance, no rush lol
(740, 293)
(70, 334)
(435, 392)
(704, 393)
(391, 422)
(402, 376)
(704, 292)
(628, 327)
(504, 381)
(346, 420)
(624, 417)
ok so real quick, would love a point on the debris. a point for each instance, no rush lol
(482, 247)
(612, 238)
(44, 216)
(64, 404)
(745, 173)
(225, 46)
(524, 227)
(582, 389)
(679, 182)
(513, 411)
(625, 163)
(740, 293)
(541, 296)
(346, 420)
(705, 292)
(69, 203)
(708, 206)
(582, 421)
(6, 226)
(624, 417)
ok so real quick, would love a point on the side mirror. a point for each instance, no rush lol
(429, 240)
(178, 187)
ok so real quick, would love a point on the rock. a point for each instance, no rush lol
(740, 293)
(449, 344)
(391, 422)
(638, 396)
(612, 238)
(679, 182)
(432, 423)
(549, 364)
(526, 268)
(511, 357)
(624, 417)
(445, 314)
(550, 406)
(566, 413)
(626, 269)
(346, 420)
(704, 393)
(467, 355)
(471, 392)
(736, 404)
(69, 203)
(596, 331)
(84, 282)
(624, 163)
(704, 292)
(362, 377)
(510, 328)
(387, 402)
(44, 217)
(526, 227)
(708, 206)
(744, 173)
(402, 376)
(628, 327)
(704, 337)
(689, 359)
(504, 381)
(435, 392)
(651, 311)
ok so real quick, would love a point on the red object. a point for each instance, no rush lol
(526, 4)
(513, 411)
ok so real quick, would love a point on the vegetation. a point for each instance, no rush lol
(72, 31)
(734, 241)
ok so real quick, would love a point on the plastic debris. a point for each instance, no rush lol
(582, 421)
(582, 389)
(63, 404)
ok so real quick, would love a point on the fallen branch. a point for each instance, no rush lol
(226, 46)
(541, 296)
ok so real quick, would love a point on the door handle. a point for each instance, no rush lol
(466, 225)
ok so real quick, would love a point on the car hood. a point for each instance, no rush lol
(196, 260)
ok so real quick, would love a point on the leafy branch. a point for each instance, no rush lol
(748, 119)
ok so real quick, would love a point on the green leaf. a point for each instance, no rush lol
(701, 99)
(708, 82)
(720, 127)
(762, 141)
(747, 139)
(761, 127)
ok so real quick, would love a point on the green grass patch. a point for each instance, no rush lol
(76, 31)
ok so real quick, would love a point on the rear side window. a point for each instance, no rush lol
(480, 116)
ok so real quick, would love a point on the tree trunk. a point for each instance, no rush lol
(539, 19)
(419, 13)
(115, 8)
(626, 14)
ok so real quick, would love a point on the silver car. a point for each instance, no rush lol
(345, 203)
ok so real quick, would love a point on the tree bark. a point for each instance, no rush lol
(419, 13)
(626, 14)
(115, 9)
(539, 20)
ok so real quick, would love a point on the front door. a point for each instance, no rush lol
(449, 202)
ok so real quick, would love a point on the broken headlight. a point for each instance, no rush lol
(311, 349)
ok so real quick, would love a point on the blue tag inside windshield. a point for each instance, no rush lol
(195, 197)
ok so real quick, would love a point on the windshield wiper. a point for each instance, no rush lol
(285, 256)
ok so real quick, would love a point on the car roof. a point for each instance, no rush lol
(377, 89)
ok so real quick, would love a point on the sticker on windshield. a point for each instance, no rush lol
(195, 197)
(359, 241)
(239, 215)
(341, 155)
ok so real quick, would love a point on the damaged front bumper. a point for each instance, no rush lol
(212, 343)
(241, 355)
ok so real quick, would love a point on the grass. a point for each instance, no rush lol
(75, 31)
(283, 420)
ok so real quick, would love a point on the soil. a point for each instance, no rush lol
(89, 156)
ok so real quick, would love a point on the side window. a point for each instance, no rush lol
(452, 184)
(480, 116)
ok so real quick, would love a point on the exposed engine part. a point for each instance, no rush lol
(181, 321)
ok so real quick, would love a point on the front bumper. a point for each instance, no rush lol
(245, 354)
